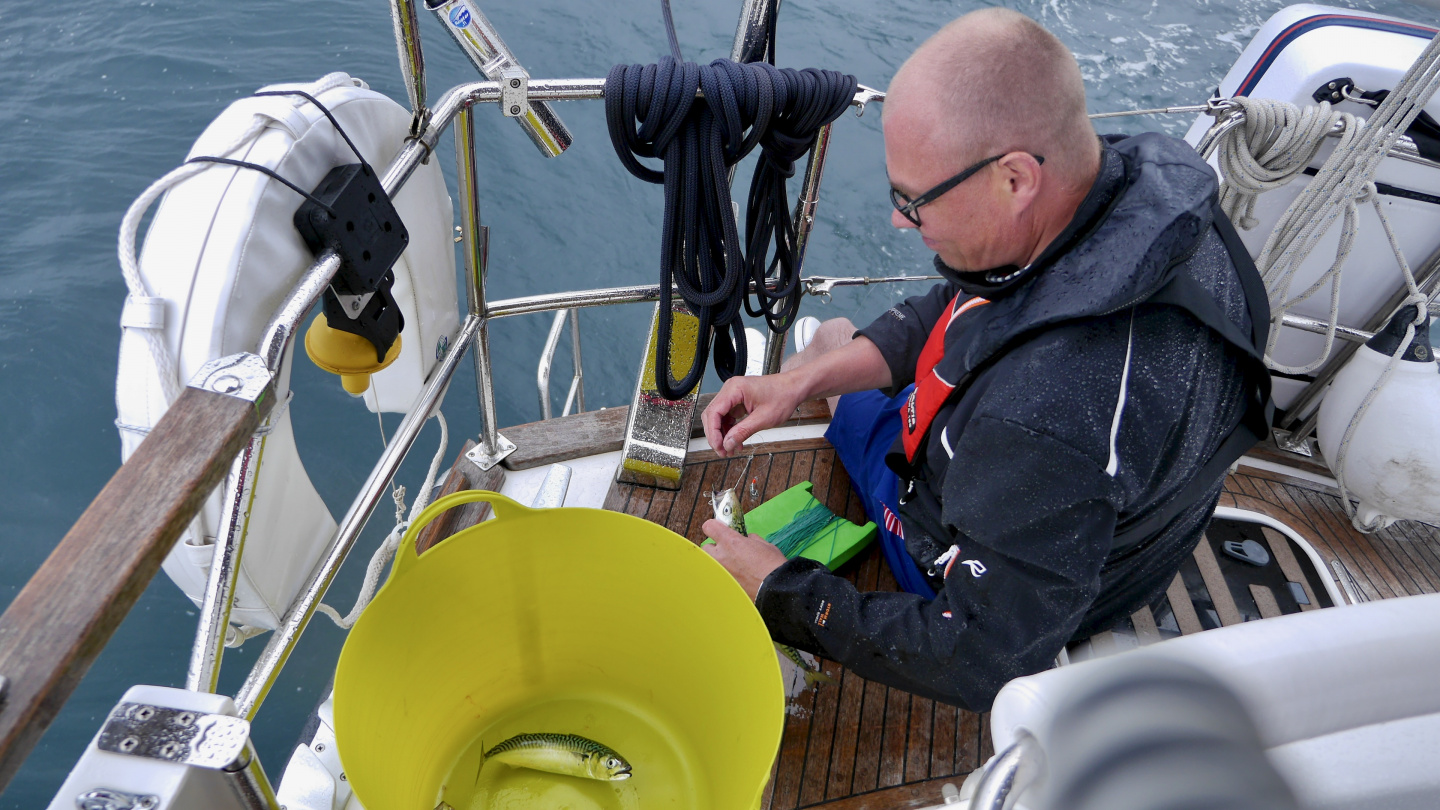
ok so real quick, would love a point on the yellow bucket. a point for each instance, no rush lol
(574, 621)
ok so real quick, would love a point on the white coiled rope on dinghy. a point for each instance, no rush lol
(1273, 152)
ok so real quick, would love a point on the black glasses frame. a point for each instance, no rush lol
(910, 209)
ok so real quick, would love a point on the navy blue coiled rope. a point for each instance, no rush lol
(779, 109)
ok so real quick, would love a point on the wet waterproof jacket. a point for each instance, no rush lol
(1081, 409)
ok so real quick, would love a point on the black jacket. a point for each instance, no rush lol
(1082, 408)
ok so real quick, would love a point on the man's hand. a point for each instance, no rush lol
(748, 559)
(747, 405)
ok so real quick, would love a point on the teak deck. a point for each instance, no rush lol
(857, 745)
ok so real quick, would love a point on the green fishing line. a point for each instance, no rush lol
(811, 523)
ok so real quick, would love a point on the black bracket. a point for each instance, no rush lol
(355, 218)
(1334, 91)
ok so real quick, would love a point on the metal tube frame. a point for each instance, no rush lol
(577, 382)
(247, 778)
(297, 616)
(1319, 327)
(750, 30)
(1428, 281)
(203, 673)
(1009, 774)
(804, 222)
(547, 359)
(482, 44)
(650, 293)
(412, 58)
(475, 239)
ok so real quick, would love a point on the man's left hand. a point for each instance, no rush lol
(748, 559)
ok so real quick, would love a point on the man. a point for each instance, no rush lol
(1081, 381)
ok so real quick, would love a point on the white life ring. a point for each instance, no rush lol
(218, 259)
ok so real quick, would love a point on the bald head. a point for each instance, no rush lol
(995, 81)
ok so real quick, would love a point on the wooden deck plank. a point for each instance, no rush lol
(869, 708)
(712, 478)
(896, 738)
(903, 797)
(464, 474)
(942, 740)
(968, 728)
(869, 751)
(847, 736)
(1370, 572)
(785, 446)
(1285, 557)
(1244, 485)
(1409, 554)
(767, 799)
(1220, 595)
(987, 742)
(816, 775)
(1182, 607)
(603, 431)
(1145, 630)
(821, 472)
(756, 479)
(792, 752)
(1400, 573)
(1265, 601)
(1268, 451)
(638, 504)
(802, 465)
(1369, 575)
(1299, 520)
(917, 749)
(1278, 493)
(781, 465)
(1422, 545)
(616, 497)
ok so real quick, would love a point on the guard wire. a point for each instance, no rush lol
(779, 109)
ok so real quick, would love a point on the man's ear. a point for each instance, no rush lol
(1020, 172)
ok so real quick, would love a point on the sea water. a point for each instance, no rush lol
(100, 97)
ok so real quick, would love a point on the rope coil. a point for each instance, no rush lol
(779, 109)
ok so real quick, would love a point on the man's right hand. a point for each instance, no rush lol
(748, 405)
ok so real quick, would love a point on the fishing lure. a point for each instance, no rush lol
(566, 754)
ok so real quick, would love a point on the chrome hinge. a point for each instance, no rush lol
(214, 741)
(243, 376)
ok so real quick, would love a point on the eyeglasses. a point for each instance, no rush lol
(909, 208)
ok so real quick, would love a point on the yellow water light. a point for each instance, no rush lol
(346, 354)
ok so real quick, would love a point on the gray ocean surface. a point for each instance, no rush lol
(103, 96)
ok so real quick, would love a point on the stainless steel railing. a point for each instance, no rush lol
(576, 394)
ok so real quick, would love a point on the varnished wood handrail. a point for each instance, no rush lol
(57, 625)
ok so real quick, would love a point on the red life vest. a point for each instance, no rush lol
(931, 390)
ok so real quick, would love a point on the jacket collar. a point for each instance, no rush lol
(1121, 247)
